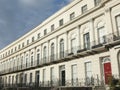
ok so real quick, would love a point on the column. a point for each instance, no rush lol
(108, 19)
(66, 48)
(48, 59)
(35, 60)
(41, 55)
(92, 33)
(78, 32)
(56, 51)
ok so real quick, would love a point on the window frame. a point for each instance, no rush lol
(84, 8)
(61, 22)
(72, 15)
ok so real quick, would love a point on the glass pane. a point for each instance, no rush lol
(86, 41)
(73, 44)
(101, 32)
(118, 20)
(88, 70)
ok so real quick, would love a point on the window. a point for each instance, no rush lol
(84, 8)
(88, 72)
(33, 39)
(52, 51)
(16, 79)
(86, 41)
(52, 27)
(31, 60)
(97, 2)
(52, 74)
(44, 54)
(11, 52)
(45, 31)
(30, 78)
(72, 15)
(23, 44)
(61, 48)
(25, 79)
(118, 24)
(27, 42)
(101, 35)
(38, 58)
(74, 75)
(27, 60)
(37, 77)
(73, 42)
(38, 36)
(19, 46)
(12, 79)
(9, 80)
(44, 76)
(21, 61)
(15, 48)
(61, 22)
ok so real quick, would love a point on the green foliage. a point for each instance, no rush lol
(114, 83)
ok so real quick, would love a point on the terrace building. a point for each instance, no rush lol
(76, 47)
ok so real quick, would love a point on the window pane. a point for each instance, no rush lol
(52, 74)
(72, 15)
(52, 27)
(52, 51)
(84, 8)
(61, 22)
(44, 76)
(101, 33)
(97, 2)
(61, 48)
(86, 41)
(118, 23)
(88, 69)
(73, 45)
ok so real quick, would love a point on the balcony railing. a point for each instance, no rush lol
(86, 82)
(98, 45)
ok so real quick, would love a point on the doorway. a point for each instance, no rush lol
(62, 75)
(37, 78)
(107, 71)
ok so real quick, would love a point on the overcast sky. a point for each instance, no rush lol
(17, 17)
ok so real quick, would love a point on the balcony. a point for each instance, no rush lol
(113, 40)
(97, 46)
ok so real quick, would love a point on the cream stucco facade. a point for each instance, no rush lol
(79, 42)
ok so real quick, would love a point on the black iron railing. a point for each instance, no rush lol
(87, 82)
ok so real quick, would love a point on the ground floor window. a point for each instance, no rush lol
(88, 72)
(74, 75)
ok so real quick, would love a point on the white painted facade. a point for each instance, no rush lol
(90, 40)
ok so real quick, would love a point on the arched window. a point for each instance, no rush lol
(32, 59)
(38, 57)
(21, 62)
(44, 54)
(86, 38)
(52, 52)
(26, 60)
(101, 32)
(73, 45)
(61, 48)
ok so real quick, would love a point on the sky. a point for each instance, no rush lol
(17, 17)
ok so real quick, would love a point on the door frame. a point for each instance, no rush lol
(61, 68)
(104, 61)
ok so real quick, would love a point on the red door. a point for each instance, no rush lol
(107, 72)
